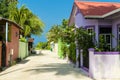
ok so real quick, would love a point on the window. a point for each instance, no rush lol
(105, 30)
(105, 39)
(2, 28)
(91, 32)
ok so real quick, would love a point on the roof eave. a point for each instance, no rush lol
(102, 16)
(72, 14)
(112, 12)
(93, 17)
(7, 20)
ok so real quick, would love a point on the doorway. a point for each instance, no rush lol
(3, 55)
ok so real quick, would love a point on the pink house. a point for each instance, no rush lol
(104, 19)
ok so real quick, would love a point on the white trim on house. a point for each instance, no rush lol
(103, 16)
(72, 15)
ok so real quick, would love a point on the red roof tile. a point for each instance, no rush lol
(96, 8)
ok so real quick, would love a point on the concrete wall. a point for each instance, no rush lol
(55, 48)
(104, 65)
(23, 50)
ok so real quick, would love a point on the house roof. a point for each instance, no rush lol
(7, 20)
(97, 9)
(31, 40)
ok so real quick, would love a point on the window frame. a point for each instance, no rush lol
(91, 27)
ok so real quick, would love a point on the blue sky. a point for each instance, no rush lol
(51, 12)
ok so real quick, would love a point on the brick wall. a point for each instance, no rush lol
(13, 44)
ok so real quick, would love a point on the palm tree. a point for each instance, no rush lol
(54, 33)
(4, 4)
(30, 23)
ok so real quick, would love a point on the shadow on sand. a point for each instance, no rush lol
(24, 61)
(58, 68)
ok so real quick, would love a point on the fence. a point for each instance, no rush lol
(23, 50)
(104, 65)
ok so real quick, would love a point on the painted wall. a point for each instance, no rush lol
(104, 65)
(23, 50)
(13, 44)
(72, 16)
(114, 30)
(81, 21)
(56, 48)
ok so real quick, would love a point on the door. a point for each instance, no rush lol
(3, 56)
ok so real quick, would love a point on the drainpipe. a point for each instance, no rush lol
(6, 39)
(6, 34)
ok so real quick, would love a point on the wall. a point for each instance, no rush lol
(115, 26)
(104, 65)
(80, 21)
(72, 16)
(13, 44)
(23, 50)
(55, 48)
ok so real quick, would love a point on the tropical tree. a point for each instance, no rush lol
(30, 23)
(58, 31)
(4, 10)
(42, 45)
(65, 36)
(54, 33)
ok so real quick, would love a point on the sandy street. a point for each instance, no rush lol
(44, 66)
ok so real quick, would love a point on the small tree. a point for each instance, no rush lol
(85, 41)
(42, 45)
(54, 33)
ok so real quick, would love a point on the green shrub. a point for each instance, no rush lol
(64, 50)
(23, 39)
(42, 45)
(72, 52)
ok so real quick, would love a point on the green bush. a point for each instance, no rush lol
(23, 39)
(72, 52)
(64, 50)
(42, 45)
